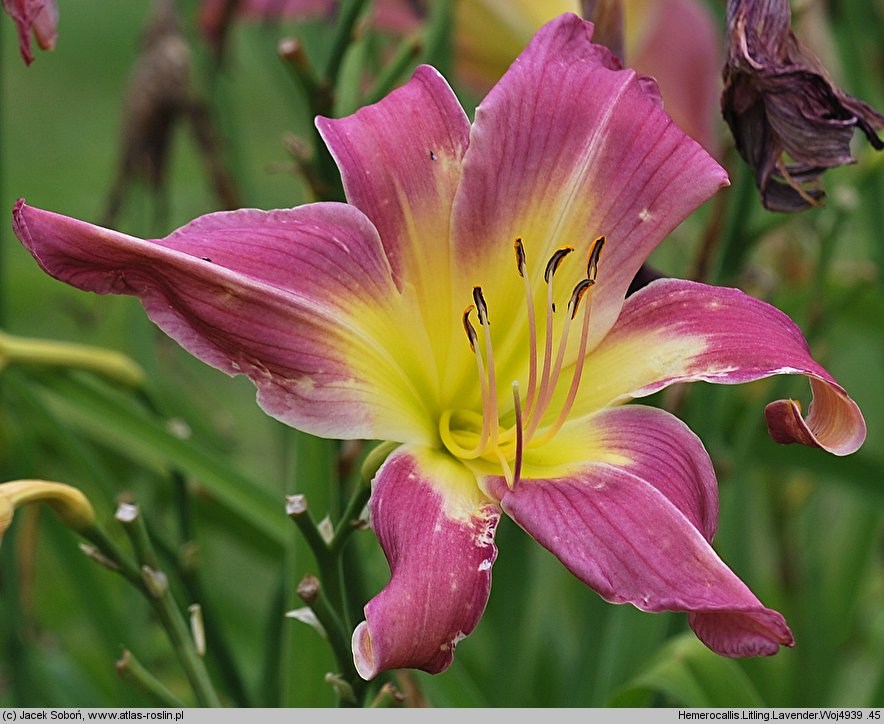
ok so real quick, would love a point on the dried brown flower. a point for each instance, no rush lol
(789, 120)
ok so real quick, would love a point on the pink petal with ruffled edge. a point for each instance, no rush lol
(301, 300)
(565, 148)
(638, 531)
(437, 532)
(679, 331)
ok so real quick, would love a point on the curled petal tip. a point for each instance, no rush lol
(363, 656)
(834, 424)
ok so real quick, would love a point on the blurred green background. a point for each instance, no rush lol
(802, 528)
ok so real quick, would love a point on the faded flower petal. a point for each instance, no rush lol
(639, 530)
(37, 16)
(437, 532)
(789, 121)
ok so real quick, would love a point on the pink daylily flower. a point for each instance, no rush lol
(350, 320)
(37, 16)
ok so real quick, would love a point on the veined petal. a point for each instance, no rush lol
(400, 160)
(680, 331)
(588, 153)
(638, 531)
(437, 531)
(300, 300)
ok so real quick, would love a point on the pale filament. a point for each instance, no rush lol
(548, 275)
(522, 266)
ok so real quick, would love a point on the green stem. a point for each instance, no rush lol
(406, 53)
(348, 521)
(131, 669)
(171, 617)
(311, 593)
(736, 243)
(327, 560)
(343, 34)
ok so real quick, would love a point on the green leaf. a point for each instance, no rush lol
(688, 674)
(96, 413)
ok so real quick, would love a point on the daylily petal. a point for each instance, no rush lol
(638, 531)
(589, 154)
(680, 331)
(300, 300)
(437, 532)
(400, 160)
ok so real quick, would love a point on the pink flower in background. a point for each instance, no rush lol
(469, 303)
(39, 17)
(674, 41)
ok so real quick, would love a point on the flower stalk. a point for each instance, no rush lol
(161, 599)
(132, 670)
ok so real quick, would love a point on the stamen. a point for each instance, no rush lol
(551, 266)
(592, 270)
(521, 259)
(469, 328)
(578, 365)
(487, 396)
(517, 463)
(522, 264)
(504, 464)
(489, 404)
(554, 261)
(481, 307)
(592, 264)
(577, 295)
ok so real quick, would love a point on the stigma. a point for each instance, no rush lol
(473, 435)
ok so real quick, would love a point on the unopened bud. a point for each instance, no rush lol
(68, 503)
(197, 629)
(295, 505)
(156, 581)
(308, 589)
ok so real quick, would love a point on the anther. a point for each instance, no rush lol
(557, 256)
(469, 328)
(577, 295)
(521, 259)
(592, 264)
(481, 307)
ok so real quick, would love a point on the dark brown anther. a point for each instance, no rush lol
(557, 256)
(481, 307)
(577, 295)
(521, 259)
(592, 264)
(469, 328)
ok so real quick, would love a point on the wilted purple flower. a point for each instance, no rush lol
(789, 120)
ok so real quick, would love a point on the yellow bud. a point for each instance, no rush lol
(68, 503)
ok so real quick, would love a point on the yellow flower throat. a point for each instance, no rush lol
(469, 435)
